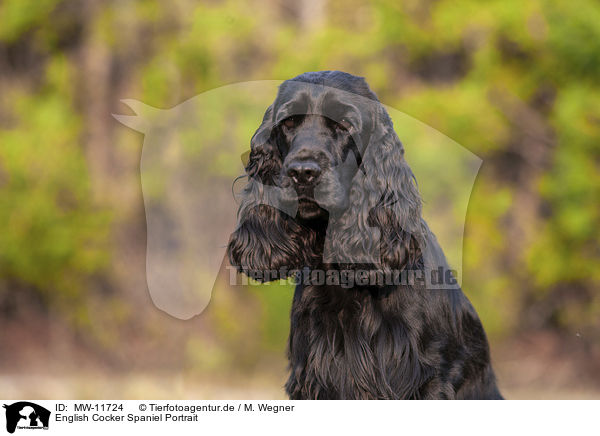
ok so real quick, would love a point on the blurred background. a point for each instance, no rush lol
(517, 84)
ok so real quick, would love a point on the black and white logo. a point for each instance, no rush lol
(26, 415)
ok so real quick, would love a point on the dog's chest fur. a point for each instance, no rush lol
(352, 343)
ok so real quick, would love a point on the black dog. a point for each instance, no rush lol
(327, 144)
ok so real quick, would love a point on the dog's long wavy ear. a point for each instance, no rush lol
(383, 225)
(264, 161)
(267, 238)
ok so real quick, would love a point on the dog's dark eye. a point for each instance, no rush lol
(290, 122)
(344, 124)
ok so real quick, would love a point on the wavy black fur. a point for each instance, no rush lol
(366, 342)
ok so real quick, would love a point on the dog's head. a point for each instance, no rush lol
(328, 144)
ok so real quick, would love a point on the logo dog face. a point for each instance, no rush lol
(26, 414)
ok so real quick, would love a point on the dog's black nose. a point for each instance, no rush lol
(304, 172)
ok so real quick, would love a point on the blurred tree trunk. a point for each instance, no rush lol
(521, 164)
(94, 85)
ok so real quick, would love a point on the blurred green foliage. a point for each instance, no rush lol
(516, 83)
(53, 237)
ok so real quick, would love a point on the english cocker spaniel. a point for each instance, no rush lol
(332, 203)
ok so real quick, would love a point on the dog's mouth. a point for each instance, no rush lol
(308, 208)
(312, 202)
